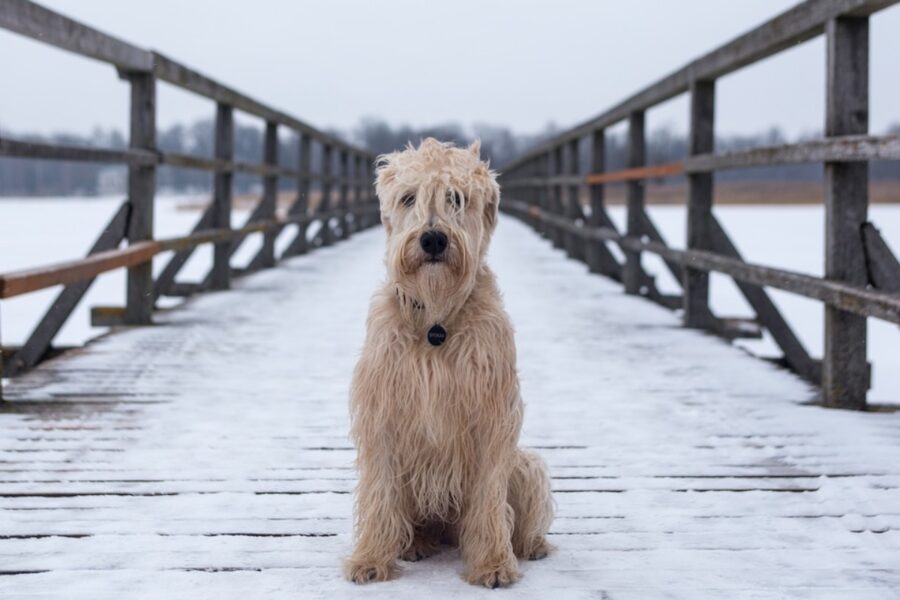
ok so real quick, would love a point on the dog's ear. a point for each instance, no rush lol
(475, 148)
(385, 173)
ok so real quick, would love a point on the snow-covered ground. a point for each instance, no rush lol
(208, 457)
(40, 231)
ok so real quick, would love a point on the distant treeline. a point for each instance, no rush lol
(25, 177)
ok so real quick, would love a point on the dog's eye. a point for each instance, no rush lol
(408, 200)
(454, 199)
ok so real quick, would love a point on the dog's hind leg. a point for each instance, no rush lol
(532, 504)
(426, 542)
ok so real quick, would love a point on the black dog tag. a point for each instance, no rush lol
(437, 335)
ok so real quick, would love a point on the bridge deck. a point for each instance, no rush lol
(207, 456)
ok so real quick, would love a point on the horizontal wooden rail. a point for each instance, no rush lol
(853, 299)
(31, 280)
(636, 174)
(796, 25)
(26, 149)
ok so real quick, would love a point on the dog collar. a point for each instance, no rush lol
(437, 335)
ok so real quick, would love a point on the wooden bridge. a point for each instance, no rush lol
(202, 451)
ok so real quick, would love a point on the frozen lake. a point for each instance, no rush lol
(39, 231)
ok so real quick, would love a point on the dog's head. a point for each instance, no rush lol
(439, 209)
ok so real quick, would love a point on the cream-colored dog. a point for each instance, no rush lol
(435, 398)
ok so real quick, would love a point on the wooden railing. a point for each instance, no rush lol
(862, 277)
(347, 202)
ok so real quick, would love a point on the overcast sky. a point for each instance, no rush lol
(519, 63)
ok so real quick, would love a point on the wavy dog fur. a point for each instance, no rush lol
(437, 427)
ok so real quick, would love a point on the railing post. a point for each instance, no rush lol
(344, 193)
(845, 376)
(141, 191)
(574, 243)
(699, 208)
(598, 206)
(222, 191)
(325, 201)
(300, 207)
(558, 235)
(632, 274)
(360, 221)
(270, 193)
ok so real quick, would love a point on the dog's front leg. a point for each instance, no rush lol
(486, 532)
(383, 527)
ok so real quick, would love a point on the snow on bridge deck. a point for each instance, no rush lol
(208, 456)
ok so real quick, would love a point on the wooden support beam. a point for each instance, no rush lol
(699, 210)
(268, 204)
(882, 266)
(599, 258)
(574, 243)
(326, 235)
(844, 372)
(300, 207)
(632, 274)
(38, 343)
(636, 173)
(557, 235)
(222, 191)
(166, 279)
(346, 219)
(141, 193)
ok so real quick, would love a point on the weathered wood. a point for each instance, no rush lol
(882, 266)
(38, 343)
(141, 194)
(632, 273)
(222, 191)
(326, 234)
(844, 374)
(637, 173)
(30, 280)
(26, 149)
(648, 228)
(599, 258)
(573, 211)
(166, 280)
(796, 356)
(699, 204)
(344, 193)
(301, 204)
(35, 21)
(796, 25)
(556, 195)
(845, 148)
(268, 204)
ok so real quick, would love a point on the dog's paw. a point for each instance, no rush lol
(420, 550)
(362, 571)
(541, 550)
(494, 577)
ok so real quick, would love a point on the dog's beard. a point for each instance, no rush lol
(431, 291)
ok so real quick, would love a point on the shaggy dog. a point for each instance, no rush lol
(435, 400)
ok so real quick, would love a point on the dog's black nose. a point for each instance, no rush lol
(433, 242)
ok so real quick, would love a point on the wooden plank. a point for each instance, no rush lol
(556, 194)
(633, 273)
(636, 173)
(141, 194)
(48, 27)
(344, 193)
(851, 298)
(843, 148)
(883, 268)
(222, 192)
(38, 343)
(699, 204)
(796, 25)
(796, 356)
(845, 376)
(30, 280)
(26, 149)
